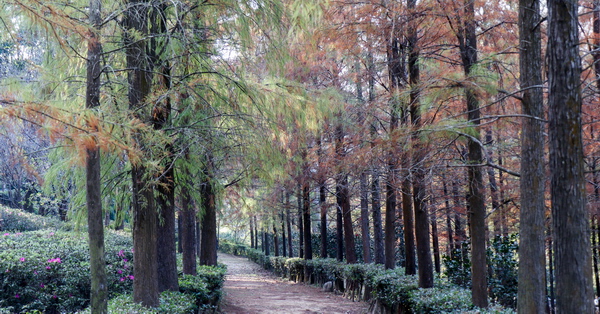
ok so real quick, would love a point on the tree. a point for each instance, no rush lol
(531, 294)
(99, 286)
(419, 183)
(571, 234)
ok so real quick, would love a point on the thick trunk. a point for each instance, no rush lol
(574, 293)
(532, 270)
(145, 285)
(188, 232)
(408, 218)
(166, 242)
(275, 239)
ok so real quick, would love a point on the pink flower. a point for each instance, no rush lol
(17, 296)
(119, 271)
(6, 234)
(42, 285)
(121, 253)
(131, 277)
(122, 279)
(51, 233)
(22, 259)
(54, 296)
(125, 260)
(54, 260)
(48, 267)
(18, 234)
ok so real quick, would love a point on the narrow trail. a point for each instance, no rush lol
(251, 289)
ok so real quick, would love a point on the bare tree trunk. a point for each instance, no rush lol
(532, 270)
(300, 222)
(208, 245)
(275, 238)
(145, 221)
(308, 252)
(289, 224)
(364, 217)
(570, 221)
(188, 232)
(99, 286)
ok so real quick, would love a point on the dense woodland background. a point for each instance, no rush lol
(403, 133)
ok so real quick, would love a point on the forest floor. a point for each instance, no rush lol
(251, 289)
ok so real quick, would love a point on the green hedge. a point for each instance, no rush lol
(206, 287)
(170, 302)
(390, 291)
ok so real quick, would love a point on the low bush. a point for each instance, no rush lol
(170, 302)
(48, 271)
(15, 220)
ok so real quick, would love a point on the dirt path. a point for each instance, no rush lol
(251, 289)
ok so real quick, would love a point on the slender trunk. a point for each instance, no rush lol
(476, 201)
(275, 238)
(574, 284)
(448, 218)
(436, 246)
(283, 237)
(188, 232)
(532, 270)
(408, 216)
(289, 224)
(493, 187)
(364, 217)
(208, 246)
(308, 252)
(300, 213)
(252, 232)
(419, 185)
(379, 251)
(266, 244)
(595, 223)
(99, 286)
(323, 206)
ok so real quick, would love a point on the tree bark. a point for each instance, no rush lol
(188, 232)
(99, 286)
(574, 292)
(467, 39)
(308, 252)
(364, 217)
(531, 296)
(289, 224)
(145, 285)
(208, 245)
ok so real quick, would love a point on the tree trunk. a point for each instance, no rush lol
(496, 218)
(379, 252)
(252, 232)
(421, 228)
(283, 237)
(475, 200)
(436, 246)
(448, 218)
(188, 232)
(323, 206)
(364, 217)
(145, 285)
(308, 252)
(300, 222)
(99, 286)
(289, 225)
(208, 245)
(574, 292)
(275, 238)
(532, 270)
(341, 193)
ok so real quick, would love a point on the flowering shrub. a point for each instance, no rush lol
(48, 270)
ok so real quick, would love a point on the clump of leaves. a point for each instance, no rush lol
(16, 220)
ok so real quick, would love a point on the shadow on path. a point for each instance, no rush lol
(251, 289)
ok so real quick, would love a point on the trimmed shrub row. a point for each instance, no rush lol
(387, 291)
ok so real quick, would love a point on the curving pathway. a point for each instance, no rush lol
(250, 289)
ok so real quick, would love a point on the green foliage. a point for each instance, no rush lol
(502, 269)
(391, 287)
(206, 287)
(170, 302)
(49, 270)
(441, 300)
(503, 274)
(16, 220)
